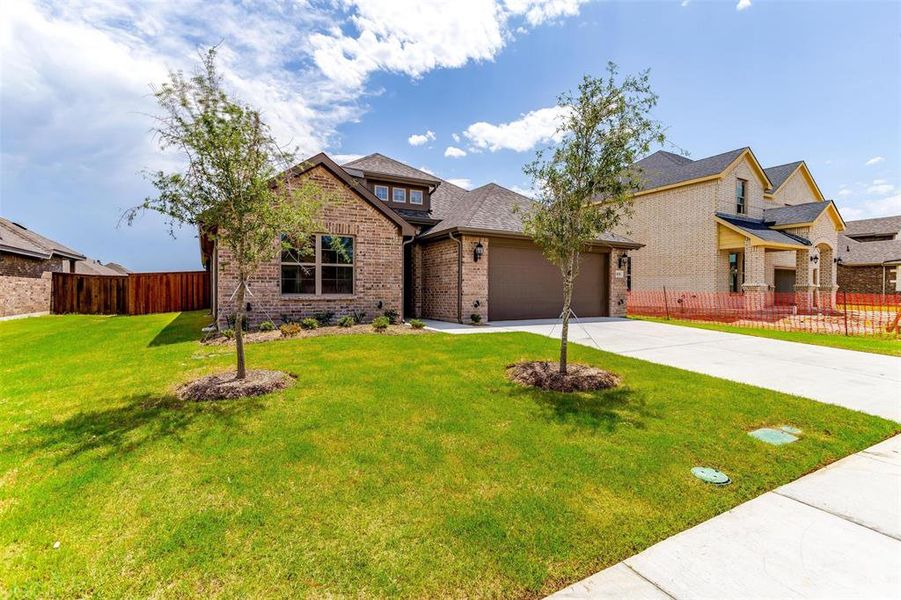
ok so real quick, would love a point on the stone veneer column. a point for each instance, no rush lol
(618, 290)
(828, 286)
(755, 286)
(475, 279)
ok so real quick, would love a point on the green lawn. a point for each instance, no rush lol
(887, 344)
(397, 466)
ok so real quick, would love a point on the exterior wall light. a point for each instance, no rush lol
(622, 261)
(478, 252)
(814, 259)
(837, 260)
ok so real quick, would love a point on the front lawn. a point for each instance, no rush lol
(396, 466)
(885, 344)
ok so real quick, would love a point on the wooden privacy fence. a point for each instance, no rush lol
(133, 294)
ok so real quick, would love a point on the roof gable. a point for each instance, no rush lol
(779, 175)
(18, 239)
(801, 215)
(665, 170)
(379, 164)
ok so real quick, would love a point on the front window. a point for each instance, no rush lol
(400, 194)
(381, 192)
(740, 187)
(325, 265)
(736, 271)
(415, 196)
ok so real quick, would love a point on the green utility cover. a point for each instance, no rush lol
(790, 429)
(773, 436)
(710, 475)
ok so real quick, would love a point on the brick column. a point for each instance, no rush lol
(803, 287)
(416, 280)
(828, 286)
(475, 279)
(755, 286)
(617, 285)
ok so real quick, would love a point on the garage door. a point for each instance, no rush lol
(522, 284)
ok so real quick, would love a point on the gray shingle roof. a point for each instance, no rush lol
(799, 213)
(665, 168)
(379, 163)
(778, 174)
(761, 230)
(17, 239)
(877, 226)
(93, 266)
(854, 253)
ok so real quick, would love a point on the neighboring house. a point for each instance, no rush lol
(93, 266)
(26, 261)
(422, 247)
(870, 256)
(727, 224)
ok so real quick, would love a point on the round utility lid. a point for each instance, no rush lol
(710, 475)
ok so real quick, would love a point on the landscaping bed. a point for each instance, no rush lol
(395, 466)
(252, 337)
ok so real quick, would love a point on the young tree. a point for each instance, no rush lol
(585, 185)
(237, 186)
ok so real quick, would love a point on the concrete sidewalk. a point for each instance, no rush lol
(835, 533)
(870, 383)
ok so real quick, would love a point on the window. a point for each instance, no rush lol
(400, 194)
(736, 271)
(381, 192)
(415, 196)
(740, 186)
(325, 266)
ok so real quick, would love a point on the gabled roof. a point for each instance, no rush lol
(665, 169)
(798, 213)
(877, 226)
(95, 267)
(382, 165)
(759, 231)
(856, 254)
(18, 239)
(324, 161)
(778, 175)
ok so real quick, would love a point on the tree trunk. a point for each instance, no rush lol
(567, 303)
(241, 371)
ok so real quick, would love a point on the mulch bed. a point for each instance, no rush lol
(253, 337)
(223, 386)
(546, 376)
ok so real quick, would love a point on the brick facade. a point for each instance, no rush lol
(16, 265)
(868, 279)
(24, 295)
(378, 265)
(439, 283)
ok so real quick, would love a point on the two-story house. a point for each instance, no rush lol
(727, 224)
(419, 246)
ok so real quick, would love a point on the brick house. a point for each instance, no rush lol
(727, 224)
(870, 256)
(26, 261)
(422, 247)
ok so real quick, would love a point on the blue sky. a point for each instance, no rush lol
(794, 80)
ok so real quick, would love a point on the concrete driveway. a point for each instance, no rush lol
(870, 383)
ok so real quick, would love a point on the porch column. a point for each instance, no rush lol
(828, 280)
(803, 288)
(754, 286)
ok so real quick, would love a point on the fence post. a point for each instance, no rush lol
(665, 303)
(845, 304)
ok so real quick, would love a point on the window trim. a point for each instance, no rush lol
(741, 201)
(740, 271)
(394, 196)
(317, 270)
(375, 190)
(421, 197)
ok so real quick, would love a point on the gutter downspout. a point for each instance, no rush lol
(403, 300)
(459, 276)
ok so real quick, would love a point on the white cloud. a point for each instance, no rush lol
(684, 3)
(427, 170)
(456, 137)
(461, 182)
(418, 139)
(413, 37)
(844, 192)
(345, 158)
(868, 209)
(743, 4)
(880, 187)
(454, 152)
(527, 192)
(533, 128)
(874, 161)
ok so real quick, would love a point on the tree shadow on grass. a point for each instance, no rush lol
(134, 422)
(185, 327)
(598, 410)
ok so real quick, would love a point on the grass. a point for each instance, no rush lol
(887, 344)
(401, 466)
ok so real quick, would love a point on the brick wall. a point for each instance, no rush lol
(794, 191)
(866, 280)
(24, 295)
(754, 202)
(439, 280)
(475, 278)
(23, 266)
(618, 286)
(378, 264)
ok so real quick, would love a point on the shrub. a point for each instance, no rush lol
(476, 318)
(289, 329)
(380, 324)
(417, 324)
(267, 326)
(228, 333)
(392, 316)
(358, 316)
(324, 317)
(309, 323)
(346, 321)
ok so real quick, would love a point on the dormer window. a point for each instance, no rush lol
(740, 187)
(381, 192)
(415, 196)
(399, 195)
